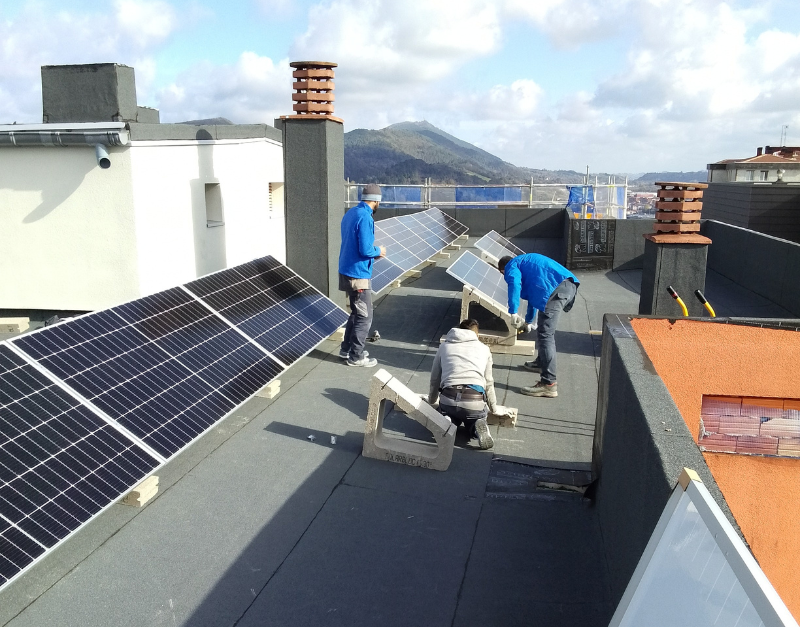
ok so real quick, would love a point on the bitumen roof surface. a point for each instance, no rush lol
(256, 524)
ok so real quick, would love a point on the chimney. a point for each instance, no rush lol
(676, 253)
(313, 165)
(759, 152)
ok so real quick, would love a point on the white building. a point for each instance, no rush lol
(770, 165)
(84, 228)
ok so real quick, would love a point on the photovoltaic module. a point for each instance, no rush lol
(482, 277)
(410, 240)
(496, 246)
(91, 406)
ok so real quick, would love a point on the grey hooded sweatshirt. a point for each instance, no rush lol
(462, 359)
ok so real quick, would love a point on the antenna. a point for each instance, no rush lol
(784, 133)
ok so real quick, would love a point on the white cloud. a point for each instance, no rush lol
(42, 34)
(145, 22)
(253, 90)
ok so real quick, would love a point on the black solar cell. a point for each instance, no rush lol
(411, 240)
(60, 463)
(268, 302)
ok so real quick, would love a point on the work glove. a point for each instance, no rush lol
(517, 321)
(528, 327)
(501, 410)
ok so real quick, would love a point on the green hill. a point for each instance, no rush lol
(410, 152)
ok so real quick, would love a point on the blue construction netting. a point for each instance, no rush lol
(580, 195)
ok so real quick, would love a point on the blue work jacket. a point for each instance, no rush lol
(358, 243)
(533, 277)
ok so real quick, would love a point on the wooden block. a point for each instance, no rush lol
(687, 476)
(441, 256)
(505, 420)
(270, 390)
(337, 335)
(413, 274)
(520, 347)
(454, 247)
(14, 325)
(142, 493)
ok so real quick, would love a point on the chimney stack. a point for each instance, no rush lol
(675, 255)
(313, 165)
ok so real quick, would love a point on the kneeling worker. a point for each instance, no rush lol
(551, 288)
(461, 379)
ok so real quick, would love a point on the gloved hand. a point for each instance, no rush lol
(528, 327)
(501, 410)
(517, 321)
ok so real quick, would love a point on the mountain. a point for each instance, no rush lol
(410, 152)
(646, 181)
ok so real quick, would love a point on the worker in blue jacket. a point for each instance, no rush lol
(551, 288)
(356, 256)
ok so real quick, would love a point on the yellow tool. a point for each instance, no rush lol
(674, 295)
(705, 303)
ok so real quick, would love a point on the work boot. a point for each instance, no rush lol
(532, 366)
(547, 390)
(364, 362)
(346, 354)
(485, 440)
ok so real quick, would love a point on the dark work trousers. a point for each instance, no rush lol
(355, 332)
(463, 416)
(562, 299)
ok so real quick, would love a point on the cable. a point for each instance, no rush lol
(705, 303)
(674, 295)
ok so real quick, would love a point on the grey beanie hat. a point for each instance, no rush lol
(371, 192)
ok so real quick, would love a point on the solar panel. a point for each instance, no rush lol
(410, 240)
(60, 464)
(497, 246)
(271, 304)
(90, 407)
(479, 275)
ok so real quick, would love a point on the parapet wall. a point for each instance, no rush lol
(641, 444)
(766, 265)
(546, 223)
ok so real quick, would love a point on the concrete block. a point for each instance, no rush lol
(462, 238)
(14, 325)
(384, 387)
(490, 338)
(454, 247)
(337, 335)
(440, 257)
(504, 420)
(413, 274)
(396, 283)
(142, 493)
(270, 390)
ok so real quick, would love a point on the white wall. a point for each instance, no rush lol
(67, 232)
(174, 242)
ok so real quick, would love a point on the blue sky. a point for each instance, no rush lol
(620, 85)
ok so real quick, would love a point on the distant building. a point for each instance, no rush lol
(102, 204)
(761, 193)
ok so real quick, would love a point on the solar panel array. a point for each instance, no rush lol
(497, 246)
(90, 407)
(411, 240)
(481, 276)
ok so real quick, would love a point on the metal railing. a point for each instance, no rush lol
(534, 195)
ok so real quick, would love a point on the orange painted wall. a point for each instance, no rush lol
(695, 358)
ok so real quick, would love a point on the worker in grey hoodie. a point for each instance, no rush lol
(461, 380)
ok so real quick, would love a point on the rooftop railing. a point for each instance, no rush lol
(595, 201)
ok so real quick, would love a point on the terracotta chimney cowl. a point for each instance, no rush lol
(313, 91)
